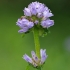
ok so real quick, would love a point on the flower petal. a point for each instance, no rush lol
(25, 29)
(35, 58)
(47, 14)
(47, 23)
(27, 58)
(27, 12)
(43, 55)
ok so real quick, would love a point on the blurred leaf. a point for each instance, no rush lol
(28, 67)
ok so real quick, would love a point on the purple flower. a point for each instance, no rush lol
(47, 14)
(43, 55)
(35, 61)
(33, 10)
(27, 58)
(24, 24)
(25, 29)
(36, 13)
(27, 12)
(41, 11)
(47, 23)
(36, 6)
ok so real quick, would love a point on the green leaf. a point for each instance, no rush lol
(28, 67)
(44, 34)
(46, 31)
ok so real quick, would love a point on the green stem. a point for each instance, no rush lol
(36, 40)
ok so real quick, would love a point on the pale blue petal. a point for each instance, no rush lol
(43, 55)
(27, 58)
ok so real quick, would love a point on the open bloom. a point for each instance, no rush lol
(36, 8)
(35, 14)
(24, 24)
(47, 23)
(35, 61)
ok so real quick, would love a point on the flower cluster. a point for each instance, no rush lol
(35, 61)
(36, 14)
(24, 24)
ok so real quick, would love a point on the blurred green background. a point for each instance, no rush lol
(13, 46)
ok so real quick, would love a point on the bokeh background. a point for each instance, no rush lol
(13, 46)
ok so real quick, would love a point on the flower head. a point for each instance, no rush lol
(36, 14)
(24, 24)
(35, 61)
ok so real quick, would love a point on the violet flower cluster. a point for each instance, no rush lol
(37, 19)
(35, 61)
(35, 14)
